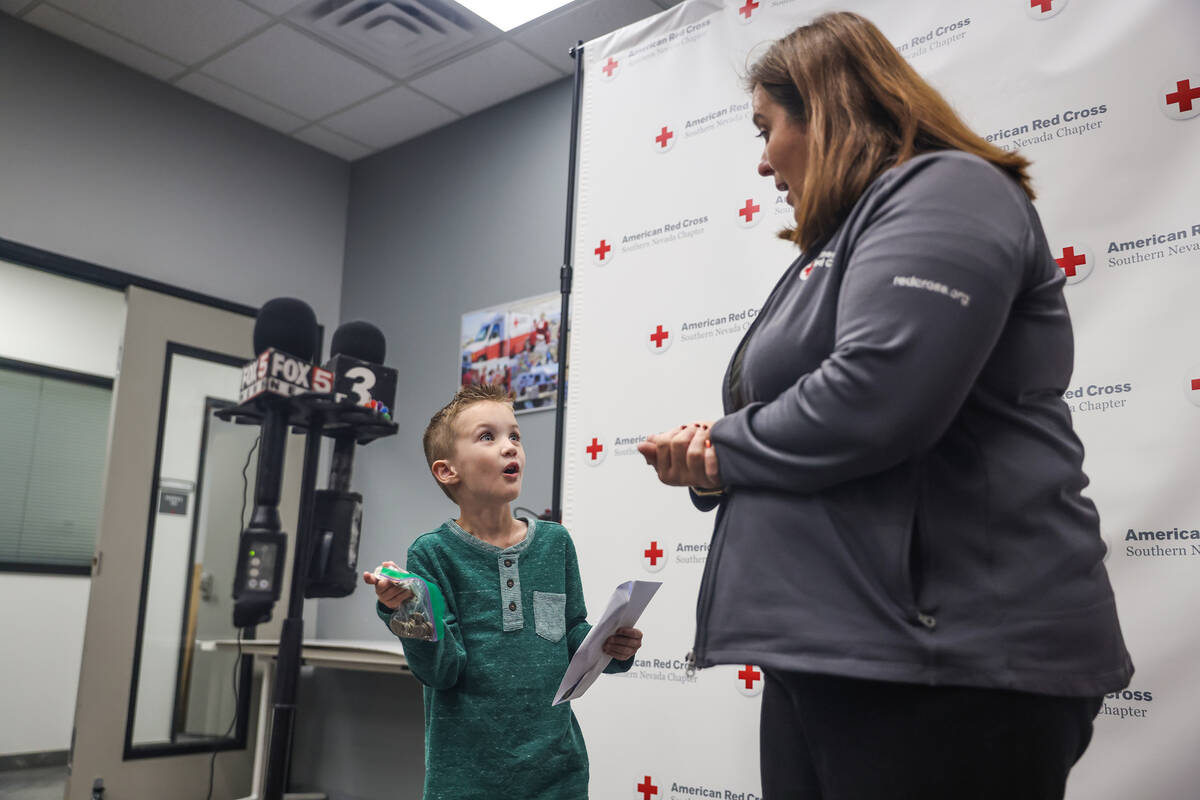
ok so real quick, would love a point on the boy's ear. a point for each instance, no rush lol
(444, 472)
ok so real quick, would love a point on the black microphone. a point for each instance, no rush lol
(360, 339)
(357, 348)
(286, 332)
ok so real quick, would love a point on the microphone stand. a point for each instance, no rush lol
(319, 416)
(291, 637)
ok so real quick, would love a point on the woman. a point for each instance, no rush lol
(901, 540)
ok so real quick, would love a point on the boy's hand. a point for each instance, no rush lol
(389, 592)
(623, 644)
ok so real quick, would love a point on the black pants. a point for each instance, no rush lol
(829, 738)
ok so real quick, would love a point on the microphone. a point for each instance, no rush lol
(357, 352)
(361, 340)
(357, 349)
(285, 337)
(285, 350)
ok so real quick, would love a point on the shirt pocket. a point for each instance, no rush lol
(550, 615)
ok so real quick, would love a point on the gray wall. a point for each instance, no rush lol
(102, 163)
(462, 218)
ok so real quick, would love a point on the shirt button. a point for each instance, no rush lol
(510, 583)
(508, 562)
(926, 620)
(512, 606)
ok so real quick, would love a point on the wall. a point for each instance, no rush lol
(103, 164)
(39, 663)
(467, 216)
(107, 165)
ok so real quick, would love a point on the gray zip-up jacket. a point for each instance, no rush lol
(903, 482)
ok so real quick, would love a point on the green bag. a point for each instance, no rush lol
(424, 615)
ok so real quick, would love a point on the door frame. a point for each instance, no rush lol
(86, 271)
(103, 701)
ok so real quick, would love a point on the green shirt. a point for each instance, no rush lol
(514, 618)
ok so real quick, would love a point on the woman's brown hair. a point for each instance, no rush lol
(864, 109)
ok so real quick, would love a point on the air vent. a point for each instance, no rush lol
(401, 37)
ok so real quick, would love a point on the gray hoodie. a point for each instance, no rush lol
(904, 486)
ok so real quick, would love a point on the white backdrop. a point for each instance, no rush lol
(674, 252)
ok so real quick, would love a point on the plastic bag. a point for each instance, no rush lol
(423, 615)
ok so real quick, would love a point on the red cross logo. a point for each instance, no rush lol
(1045, 9)
(1183, 95)
(603, 250)
(647, 788)
(1191, 386)
(659, 341)
(750, 675)
(748, 9)
(654, 558)
(1075, 262)
(663, 137)
(609, 68)
(749, 210)
(1070, 261)
(594, 449)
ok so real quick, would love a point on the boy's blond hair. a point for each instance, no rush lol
(438, 440)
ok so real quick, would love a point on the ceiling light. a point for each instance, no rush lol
(508, 14)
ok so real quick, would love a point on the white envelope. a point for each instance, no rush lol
(627, 603)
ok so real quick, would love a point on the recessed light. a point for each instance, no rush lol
(509, 14)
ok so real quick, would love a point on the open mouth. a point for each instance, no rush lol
(512, 469)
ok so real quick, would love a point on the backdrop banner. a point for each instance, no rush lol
(675, 251)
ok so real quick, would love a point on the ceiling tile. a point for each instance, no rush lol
(185, 30)
(485, 77)
(276, 7)
(239, 102)
(390, 118)
(296, 73)
(331, 142)
(103, 42)
(14, 6)
(552, 37)
(402, 38)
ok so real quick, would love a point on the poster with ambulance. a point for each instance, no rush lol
(515, 345)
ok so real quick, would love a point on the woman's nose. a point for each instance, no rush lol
(764, 168)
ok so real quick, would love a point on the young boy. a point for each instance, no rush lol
(514, 617)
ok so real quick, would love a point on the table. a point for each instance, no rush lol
(369, 656)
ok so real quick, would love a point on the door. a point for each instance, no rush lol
(206, 703)
(150, 713)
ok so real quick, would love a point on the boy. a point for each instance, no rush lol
(514, 617)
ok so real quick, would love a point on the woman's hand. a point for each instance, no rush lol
(623, 644)
(684, 456)
(388, 591)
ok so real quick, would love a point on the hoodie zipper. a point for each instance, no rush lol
(695, 655)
